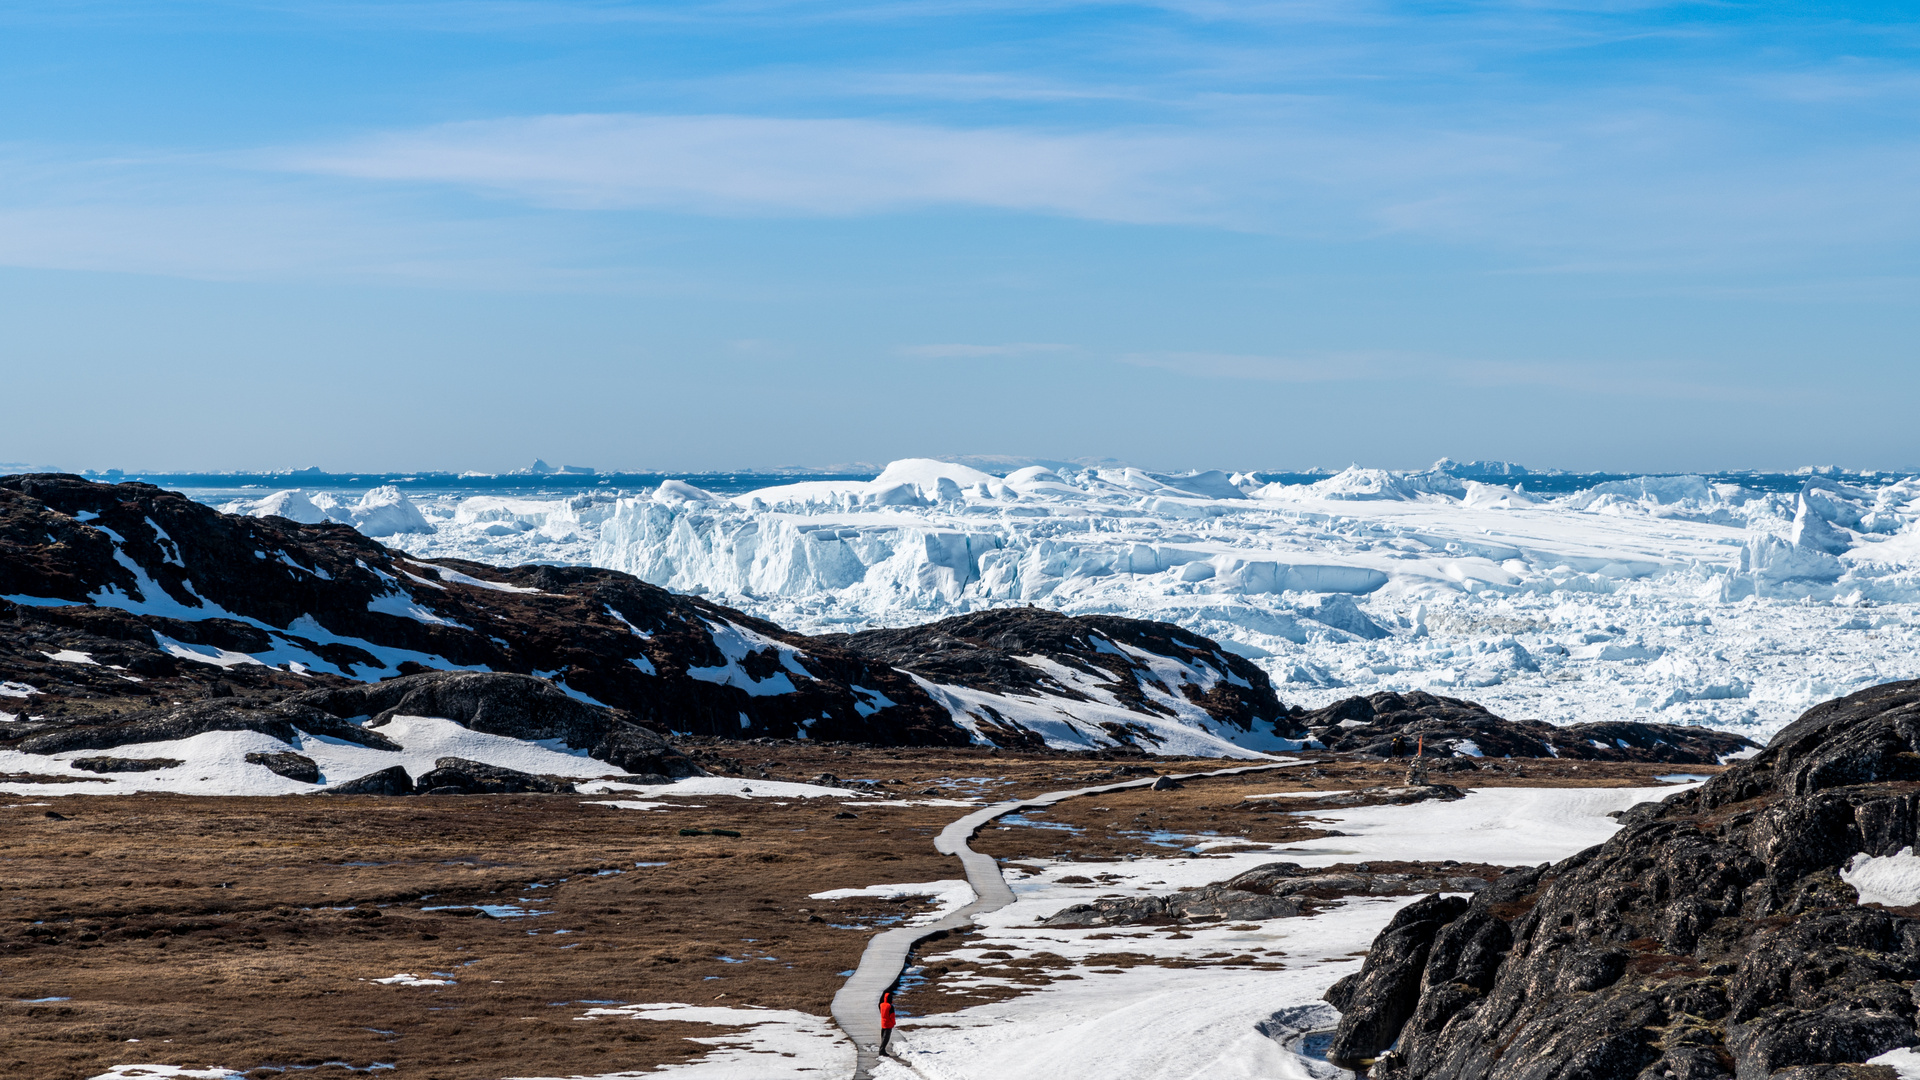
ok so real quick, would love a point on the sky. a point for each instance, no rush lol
(416, 234)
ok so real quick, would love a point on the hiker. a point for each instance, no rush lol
(886, 1019)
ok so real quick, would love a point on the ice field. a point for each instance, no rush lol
(1682, 598)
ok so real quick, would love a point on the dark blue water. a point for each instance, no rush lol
(233, 484)
(432, 483)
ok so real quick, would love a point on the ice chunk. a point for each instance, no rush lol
(293, 504)
(384, 511)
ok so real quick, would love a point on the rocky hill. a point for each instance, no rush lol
(122, 599)
(1762, 925)
(1398, 725)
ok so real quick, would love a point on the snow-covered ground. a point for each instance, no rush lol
(214, 763)
(1681, 599)
(1157, 1023)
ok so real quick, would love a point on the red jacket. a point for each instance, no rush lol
(886, 1014)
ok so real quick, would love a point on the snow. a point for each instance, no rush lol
(1069, 724)
(1157, 1023)
(1892, 880)
(214, 762)
(735, 642)
(202, 654)
(779, 1044)
(1905, 1062)
(71, 656)
(725, 785)
(408, 979)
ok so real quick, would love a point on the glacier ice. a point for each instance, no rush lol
(1672, 598)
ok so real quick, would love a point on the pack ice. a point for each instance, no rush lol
(1677, 598)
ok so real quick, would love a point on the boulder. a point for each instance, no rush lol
(122, 765)
(389, 781)
(459, 776)
(288, 764)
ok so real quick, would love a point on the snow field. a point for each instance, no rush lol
(214, 763)
(1153, 1022)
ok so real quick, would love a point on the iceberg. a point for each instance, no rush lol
(1688, 599)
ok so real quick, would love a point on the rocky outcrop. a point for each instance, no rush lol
(109, 764)
(128, 596)
(278, 719)
(1272, 891)
(514, 706)
(388, 781)
(1398, 725)
(1710, 938)
(288, 764)
(1377, 1000)
(1123, 658)
(458, 776)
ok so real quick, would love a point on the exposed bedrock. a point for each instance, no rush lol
(1272, 891)
(1398, 725)
(459, 776)
(1711, 937)
(1104, 654)
(515, 706)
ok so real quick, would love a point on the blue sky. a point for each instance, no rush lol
(458, 235)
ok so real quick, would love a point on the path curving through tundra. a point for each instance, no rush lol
(856, 1008)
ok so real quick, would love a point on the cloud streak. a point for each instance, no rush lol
(762, 165)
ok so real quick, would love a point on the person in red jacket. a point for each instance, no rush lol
(886, 1019)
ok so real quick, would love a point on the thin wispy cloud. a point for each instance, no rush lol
(745, 164)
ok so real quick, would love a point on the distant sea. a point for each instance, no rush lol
(223, 486)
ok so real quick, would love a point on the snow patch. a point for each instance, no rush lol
(1891, 880)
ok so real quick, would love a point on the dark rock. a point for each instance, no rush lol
(1270, 891)
(390, 781)
(1375, 1001)
(1710, 937)
(515, 706)
(459, 776)
(1398, 725)
(290, 765)
(982, 651)
(278, 720)
(121, 764)
(1164, 783)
